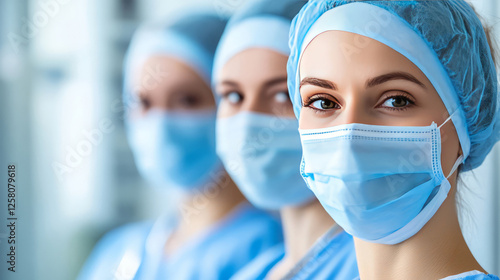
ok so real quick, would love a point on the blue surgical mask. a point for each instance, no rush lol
(175, 149)
(262, 154)
(380, 183)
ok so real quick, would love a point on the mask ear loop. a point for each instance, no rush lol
(447, 120)
(456, 165)
(461, 157)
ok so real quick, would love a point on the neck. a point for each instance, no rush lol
(302, 227)
(209, 205)
(437, 251)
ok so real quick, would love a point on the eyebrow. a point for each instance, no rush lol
(370, 83)
(269, 83)
(318, 82)
(393, 76)
(274, 81)
(229, 83)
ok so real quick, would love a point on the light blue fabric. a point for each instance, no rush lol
(191, 37)
(479, 276)
(262, 154)
(117, 245)
(257, 24)
(332, 257)
(269, 32)
(174, 149)
(472, 275)
(262, 264)
(381, 184)
(214, 254)
(445, 39)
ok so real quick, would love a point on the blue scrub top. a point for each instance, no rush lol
(331, 257)
(136, 251)
(471, 275)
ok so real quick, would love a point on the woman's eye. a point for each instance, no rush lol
(397, 102)
(324, 104)
(233, 97)
(189, 101)
(145, 103)
(282, 97)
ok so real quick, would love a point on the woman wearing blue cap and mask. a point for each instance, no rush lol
(170, 121)
(393, 97)
(259, 144)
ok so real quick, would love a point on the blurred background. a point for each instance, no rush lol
(61, 124)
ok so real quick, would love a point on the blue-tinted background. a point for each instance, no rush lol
(61, 125)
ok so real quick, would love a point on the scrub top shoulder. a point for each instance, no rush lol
(262, 264)
(117, 249)
(223, 250)
(332, 257)
(216, 253)
(472, 275)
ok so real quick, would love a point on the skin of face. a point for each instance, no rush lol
(166, 83)
(343, 83)
(254, 80)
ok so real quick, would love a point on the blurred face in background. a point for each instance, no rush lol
(171, 129)
(165, 83)
(254, 80)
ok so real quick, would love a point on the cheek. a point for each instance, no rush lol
(306, 121)
(310, 119)
(207, 100)
(450, 147)
(225, 109)
(283, 109)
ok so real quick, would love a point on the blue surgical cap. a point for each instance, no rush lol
(445, 39)
(192, 38)
(258, 24)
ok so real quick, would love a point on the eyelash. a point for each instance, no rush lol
(225, 95)
(403, 94)
(330, 98)
(317, 97)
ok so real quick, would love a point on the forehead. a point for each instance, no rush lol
(164, 69)
(339, 52)
(254, 63)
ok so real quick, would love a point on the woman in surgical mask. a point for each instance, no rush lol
(394, 99)
(170, 121)
(259, 144)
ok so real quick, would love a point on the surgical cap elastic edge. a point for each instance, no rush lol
(381, 25)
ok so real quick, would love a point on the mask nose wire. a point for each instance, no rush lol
(461, 157)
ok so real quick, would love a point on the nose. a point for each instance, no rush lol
(163, 102)
(354, 110)
(253, 103)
